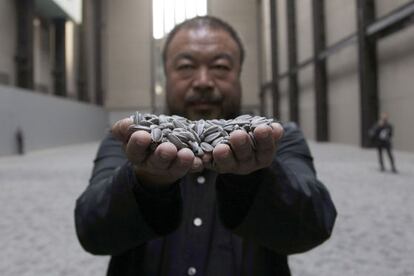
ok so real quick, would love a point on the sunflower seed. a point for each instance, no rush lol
(213, 136)
(206, 147)
(156, 135)
(176, 141)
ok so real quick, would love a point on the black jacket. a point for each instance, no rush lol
(251, 223)
(381, 135)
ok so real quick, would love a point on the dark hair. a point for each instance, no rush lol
(204, 21)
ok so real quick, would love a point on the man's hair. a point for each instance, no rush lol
(204, 21)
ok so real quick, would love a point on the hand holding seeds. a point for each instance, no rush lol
(159, 167)
(240, 157)
(165, 148)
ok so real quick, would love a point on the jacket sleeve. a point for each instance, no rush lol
(283, 207)
(115, 213)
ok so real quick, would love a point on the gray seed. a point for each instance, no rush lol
(213, 136)
(216, 141)
(195, 135)
(200, 152)
(145, 123)
(167, 125)
(138, 127)
(176, 141)
(156, 135)
(225, 141)
(179, 124)
(200, 127)
(244, 117)
(206, 147)
(155, 120)
(194, 146)
(212, 129)
(228, 128)
(182, 136)
(166, 131)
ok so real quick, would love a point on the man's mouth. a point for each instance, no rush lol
(203, 106)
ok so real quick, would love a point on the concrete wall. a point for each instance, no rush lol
(242, 15)
(46, 121)
(305, 76)
(42, 55)
(396, 85)
(395, 65)
(383, 7)
(8, 45)
(343, 82)
(127, 56)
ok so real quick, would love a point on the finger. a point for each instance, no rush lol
(264, 140)
(162, 157)
(207, 158)
(137, 147)
(265, 145)
(224, 159)
(277, 131)
(197, 165)
(182, 163)
(241, 146)
(120, 129)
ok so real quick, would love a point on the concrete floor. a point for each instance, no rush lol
(374, 233)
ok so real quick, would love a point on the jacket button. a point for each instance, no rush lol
(201, 180)
(191, 271)
(197, 222)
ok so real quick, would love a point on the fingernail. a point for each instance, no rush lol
(242, 141)
(164, 156)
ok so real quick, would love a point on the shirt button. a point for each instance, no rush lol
(201, 180)
(191, 271)
(197, 222)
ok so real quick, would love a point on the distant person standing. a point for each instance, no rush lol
(381, 133)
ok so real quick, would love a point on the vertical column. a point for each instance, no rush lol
(24, 55)
(59, 70)
(82, 62)
(320, 79)
(98, 51)
(367, 51)
(292, 60)
(275, 58)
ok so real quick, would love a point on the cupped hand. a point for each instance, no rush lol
(157, 168)
(243, 156)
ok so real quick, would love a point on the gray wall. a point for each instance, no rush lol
(127, 55)
(7, 46)
(46, 121)
(242, 15)
(395, 71)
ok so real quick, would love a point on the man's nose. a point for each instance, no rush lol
(203, 79)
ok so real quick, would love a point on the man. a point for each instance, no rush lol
(381, 134)
(167, 212)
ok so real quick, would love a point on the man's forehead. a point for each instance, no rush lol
(202, 35)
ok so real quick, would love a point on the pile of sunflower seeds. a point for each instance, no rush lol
(200, 136)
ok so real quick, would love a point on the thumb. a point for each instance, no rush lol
(120, 129)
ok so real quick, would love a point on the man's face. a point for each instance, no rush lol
(202, 70)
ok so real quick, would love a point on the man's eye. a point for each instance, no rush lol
(221, 67)
(185, 67)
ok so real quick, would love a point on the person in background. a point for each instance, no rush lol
(168, 212)
(381, 134)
